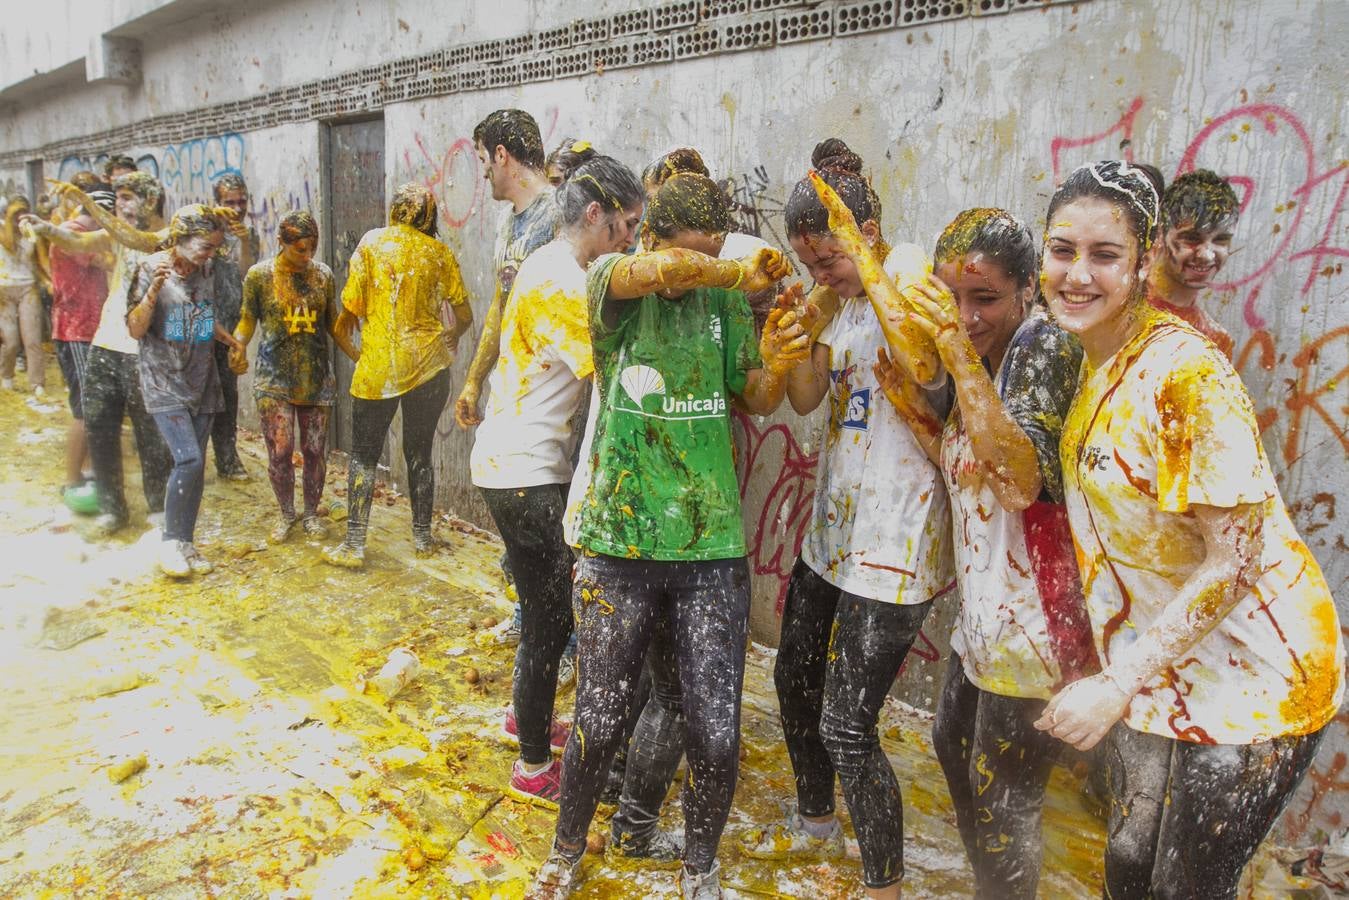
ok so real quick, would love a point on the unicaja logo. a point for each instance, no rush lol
(640, 382)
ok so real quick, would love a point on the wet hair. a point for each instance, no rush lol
(143, 185)
(194, 220)
(841, 169)
(515, 130)
(414, 205)
(684, 160)
(1201, 199)
(597, 179)
(118, 162)
(86, 181)
(228, 182)
(296, 226)
(1121, 184)
(998, 235)
(571, 155)
(688, 202)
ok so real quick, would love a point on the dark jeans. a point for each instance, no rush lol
(370, 420)
(837, 660)
(279, 421)
(224, 431)
(698, 614)
(653, 742)
(997, 765)
(1186, 818)
(185, 434)
(111, 390)
(530, 523)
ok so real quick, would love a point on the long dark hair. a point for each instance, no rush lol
(595, 178)
(841, 169)
(1124, 186)
(996, 234)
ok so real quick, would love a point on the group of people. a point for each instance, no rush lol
(1045, 432)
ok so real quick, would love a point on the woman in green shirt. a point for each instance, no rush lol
(660, 531)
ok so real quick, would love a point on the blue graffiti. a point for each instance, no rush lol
(188, 170)
(146, 162)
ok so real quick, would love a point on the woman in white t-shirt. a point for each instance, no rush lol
(522, 452)
(1221, 644)
(20, 307)
(1022, 630)
(877, 552)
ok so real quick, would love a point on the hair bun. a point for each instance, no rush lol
(834, 154)
(685, 161)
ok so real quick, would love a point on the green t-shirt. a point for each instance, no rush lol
(663, 483)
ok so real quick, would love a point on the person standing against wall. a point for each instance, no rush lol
(1022, 630)
(663, 547)
(112, 376)
(1200, 212)
(402, 285)
(20, 303)
(171, 310)
(292, 300)
(242, 246)
(1221, 643)
(878, 552)
(522, 454)
(79, 290)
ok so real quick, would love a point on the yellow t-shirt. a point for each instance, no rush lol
(1167, 423)
(396, 282)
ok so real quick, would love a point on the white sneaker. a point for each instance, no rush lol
(789, 838)
(566, 671)
(199, 564)
(504, 634)
(40, 392)
(155, 520)
(173, 561)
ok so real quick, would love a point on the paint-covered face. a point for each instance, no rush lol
(824, 259)
(1193, 258)
(297, 254)
(235, 200)
(621, 229)
(130, 206)
(198, 248)
(493, 169)
(992, 305)
(1090, 272)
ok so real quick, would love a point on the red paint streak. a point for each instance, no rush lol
(895, 569)
(1304, 399)
(1139, 484)
(1124, 127)
(1049, 546)
(1192, 733)
(503, 844)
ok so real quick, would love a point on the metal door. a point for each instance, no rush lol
(354, 173)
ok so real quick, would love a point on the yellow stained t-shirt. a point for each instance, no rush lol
(396, 282)
(1164, 424)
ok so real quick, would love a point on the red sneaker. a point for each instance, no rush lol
(543, 788)
(557, 733)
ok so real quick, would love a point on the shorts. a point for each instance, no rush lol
(73, 357)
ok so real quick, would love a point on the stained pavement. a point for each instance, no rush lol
(270, 774)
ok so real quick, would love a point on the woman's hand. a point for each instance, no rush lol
(238, 358)
(1083, 712)
(466, 414)
(785, 342)
(762, 269)
(935, 311)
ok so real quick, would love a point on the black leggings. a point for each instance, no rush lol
(530, 523)
(112, 391)
(370, 420)
(700, 612)
(837, 660)
(997, 765)
(1186, 818)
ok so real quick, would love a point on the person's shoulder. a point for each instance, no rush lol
(324, 271)
(259, 271)
(738, 245)
(1040, 334)
(1177, 351)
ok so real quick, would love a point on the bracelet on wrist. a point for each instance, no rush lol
(739, 277)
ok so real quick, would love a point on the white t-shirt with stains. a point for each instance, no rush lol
(525, 438)
(1166, 423)
(881, 526)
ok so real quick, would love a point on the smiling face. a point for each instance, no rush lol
(129, 206)
(824, 259)
(1090, 273)
(992, 305)
(236, 200)
(198, 248)
(1192, 258)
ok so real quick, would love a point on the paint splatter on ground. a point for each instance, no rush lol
(269, 774)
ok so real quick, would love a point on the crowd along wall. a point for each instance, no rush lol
(981, 111)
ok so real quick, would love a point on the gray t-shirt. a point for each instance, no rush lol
(177, 353)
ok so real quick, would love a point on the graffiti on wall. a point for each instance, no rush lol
(187, 170)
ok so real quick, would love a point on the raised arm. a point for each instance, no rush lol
(1083, 712)
(910, 346)
(122, 232)
(96, 242)
(784, 347)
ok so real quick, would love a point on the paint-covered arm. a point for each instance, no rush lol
(1083, 712)
(1007, 458)
(677, 270)
(122, 232)
(461, 319)
(466, 413)
(341, 336)
(910, 346)
(807, 385)
(98, 242)
(784, 347)
(142, 314)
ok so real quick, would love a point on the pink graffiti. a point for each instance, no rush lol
(439, 178)
(1124, 127)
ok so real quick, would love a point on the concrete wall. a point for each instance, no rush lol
(977, 111)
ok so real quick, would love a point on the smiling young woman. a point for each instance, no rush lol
(1221, 644)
